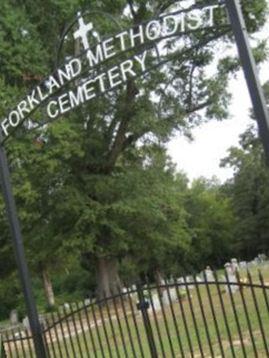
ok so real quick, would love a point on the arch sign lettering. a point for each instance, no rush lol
(90, 74)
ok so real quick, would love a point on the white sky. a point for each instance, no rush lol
(202, 156)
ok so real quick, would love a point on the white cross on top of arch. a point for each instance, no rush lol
(82, 32)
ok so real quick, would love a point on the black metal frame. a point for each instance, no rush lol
(261, 113)
(187, 311)
(20, 254)
(141, 48)
(250, 71)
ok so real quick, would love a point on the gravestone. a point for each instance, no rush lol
(243, 265)
(26, 323)
(67, 306)
(13, 317)
(234, 265)
(87, 302)
(262, 258)
(190, 279)
(209, 274)
(257, 261)
(42, 321)
(231, 278)
(155, 303)
(169, 297)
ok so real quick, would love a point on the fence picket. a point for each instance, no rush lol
(177, 326)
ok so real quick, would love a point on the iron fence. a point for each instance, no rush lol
(218, 316)
(2, 349)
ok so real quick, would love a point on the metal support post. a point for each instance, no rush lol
(143, 306)
(20, 255)
(250, 71)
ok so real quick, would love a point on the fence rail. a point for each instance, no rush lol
(188, 317)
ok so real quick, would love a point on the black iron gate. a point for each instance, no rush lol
(188, 317)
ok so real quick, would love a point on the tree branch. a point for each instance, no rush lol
(198, 107)
(164, 6)
(131, 5)
(191, 85)
(128, 113)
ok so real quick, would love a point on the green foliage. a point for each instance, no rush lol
(211, 223)
(10, 296)
(250, 195)
(98, 183)
(249, 192)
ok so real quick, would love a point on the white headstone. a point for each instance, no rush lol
(262, 257)
(234, 264)
(170, 297)
(66, 306)
(26, 323)
(17, 335)
(243, 264)
(189, 279)
(155, 302)
(209, 274)
(231, 279)
(173, 294)
(13, 317)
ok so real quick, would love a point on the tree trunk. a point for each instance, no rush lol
(108, 281)
(159, 280)
(159, 277)
(48, 288)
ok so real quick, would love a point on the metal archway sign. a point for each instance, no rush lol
(89, 77)
(90, 73)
